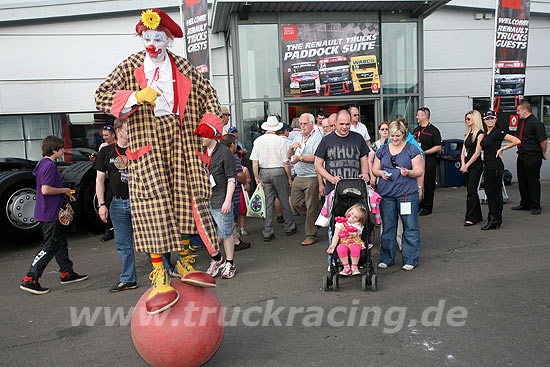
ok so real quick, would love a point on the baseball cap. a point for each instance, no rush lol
(286, 127)
(232, 129)
(490, 115)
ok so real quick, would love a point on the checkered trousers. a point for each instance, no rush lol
(169, 186)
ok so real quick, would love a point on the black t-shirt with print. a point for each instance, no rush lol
(428, 137)
(342, 155)
(490, 144)
(116, 164)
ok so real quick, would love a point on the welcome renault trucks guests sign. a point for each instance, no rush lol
(511, 38)
(329, 59)
(196, 34)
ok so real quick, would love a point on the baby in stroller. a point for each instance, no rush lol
(347, 238)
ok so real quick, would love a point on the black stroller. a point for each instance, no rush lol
(349, 192)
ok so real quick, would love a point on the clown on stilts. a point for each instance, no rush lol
(168, 105)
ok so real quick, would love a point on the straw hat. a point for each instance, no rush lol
(272, 124)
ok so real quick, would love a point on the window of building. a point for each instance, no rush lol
(254, 115)
(405, 106)
(21, 135)
(399, 58)
(546, 114)
(259, 61)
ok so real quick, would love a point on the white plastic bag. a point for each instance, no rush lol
(256, 206)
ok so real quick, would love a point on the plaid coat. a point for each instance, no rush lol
(169, 185)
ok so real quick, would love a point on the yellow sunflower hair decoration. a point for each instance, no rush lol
(150, 19)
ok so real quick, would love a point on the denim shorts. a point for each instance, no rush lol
(224, 222)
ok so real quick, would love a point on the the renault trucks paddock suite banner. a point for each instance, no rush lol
(195, 21)
(330, 58)
(511, 37)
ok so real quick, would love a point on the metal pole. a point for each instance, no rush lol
(184, 54)
(494, 57)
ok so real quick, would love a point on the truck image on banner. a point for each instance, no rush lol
(330, 59)
(335, 76)
(304, 79)
(364, 73)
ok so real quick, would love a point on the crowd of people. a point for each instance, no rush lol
(298, 166)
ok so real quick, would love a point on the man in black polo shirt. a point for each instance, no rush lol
(531, 152)
(429, 138)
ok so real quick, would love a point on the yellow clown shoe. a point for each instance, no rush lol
(163, 295)
(189, 275)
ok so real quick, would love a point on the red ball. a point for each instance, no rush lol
(187, 334)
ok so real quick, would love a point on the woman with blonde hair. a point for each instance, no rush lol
(472, 166)
(399, 164)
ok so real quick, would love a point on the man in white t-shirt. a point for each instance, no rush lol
(357, 126)
(271, 168)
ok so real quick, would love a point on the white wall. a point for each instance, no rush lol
(56, 67)
(458, 53)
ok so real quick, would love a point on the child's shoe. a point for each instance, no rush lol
(354, 270)
(346, 271)
(31, 285)
(71, 277)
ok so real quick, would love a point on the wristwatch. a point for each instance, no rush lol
(100, 205)
(300, 158)
(419, 187)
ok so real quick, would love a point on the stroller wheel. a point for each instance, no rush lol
(364, 282)
(373, 283)
(326, 282)
(335, 281)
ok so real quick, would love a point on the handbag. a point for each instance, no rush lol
(256, 206)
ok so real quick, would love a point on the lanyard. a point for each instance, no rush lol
(120, 156)
(209, 157)
(421, 132)
(309, 136)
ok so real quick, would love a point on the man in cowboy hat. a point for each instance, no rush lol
(272, 171)
(165, 100)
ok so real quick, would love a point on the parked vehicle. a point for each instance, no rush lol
(18, 197)
(364, 73)
(304, 79)
(334, 74)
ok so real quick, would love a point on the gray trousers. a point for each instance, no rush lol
(276, 184)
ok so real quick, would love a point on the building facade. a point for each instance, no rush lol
(431, 53)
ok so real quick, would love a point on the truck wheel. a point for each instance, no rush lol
(88, 215)
(17, 214)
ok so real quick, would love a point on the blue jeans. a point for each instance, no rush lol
(122, 225)
(389, 210)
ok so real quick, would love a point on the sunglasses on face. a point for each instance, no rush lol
(384, 129)
(107, 127)
(355, 114)
(468, 119)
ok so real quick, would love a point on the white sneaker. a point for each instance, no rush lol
(215, 267)
(229, 271)
(408, 267)
(382, 265)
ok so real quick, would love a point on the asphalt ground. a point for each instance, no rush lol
(478, 298)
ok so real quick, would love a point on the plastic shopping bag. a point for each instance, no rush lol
(256, 206)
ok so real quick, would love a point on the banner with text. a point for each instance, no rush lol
(511, 37)
(195, 19)
(330, 59)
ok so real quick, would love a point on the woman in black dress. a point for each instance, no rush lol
(472, 167)
(493, 167)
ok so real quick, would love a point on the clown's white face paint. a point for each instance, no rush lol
(156, 44)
